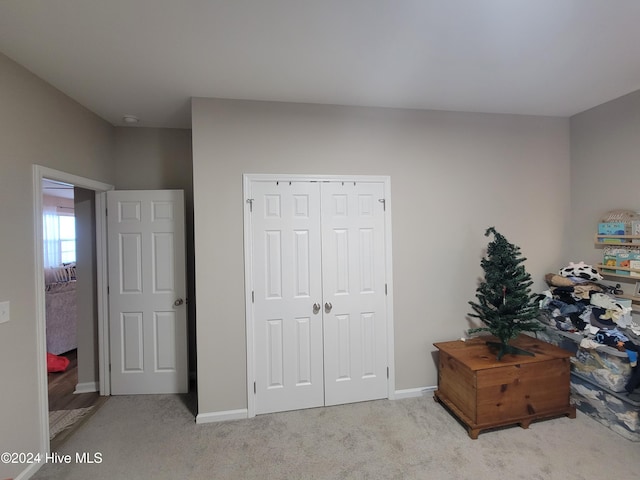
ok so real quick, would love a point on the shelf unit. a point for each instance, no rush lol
(620, 241)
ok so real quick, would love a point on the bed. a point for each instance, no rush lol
(61, 313)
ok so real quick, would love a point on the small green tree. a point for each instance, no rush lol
(505, 302)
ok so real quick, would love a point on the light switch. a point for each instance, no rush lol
(4, 312)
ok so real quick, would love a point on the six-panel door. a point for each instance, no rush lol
(319, 318)
(287, 274)
(353, 259)
(147, 288)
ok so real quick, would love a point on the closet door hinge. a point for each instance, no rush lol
(385, 289)
(254, 388)
(253, 296)
(250, 202)
(383, 201)
(387, 373)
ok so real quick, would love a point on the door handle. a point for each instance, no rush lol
(316, 308)
(328, 307)
(178, 302)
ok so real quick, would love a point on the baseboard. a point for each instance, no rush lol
(212, 417)
(87, 387)
(31, 470)
(413, 392)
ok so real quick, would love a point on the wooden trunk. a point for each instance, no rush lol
(486, 393)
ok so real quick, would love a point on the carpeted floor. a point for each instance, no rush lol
(155, 436)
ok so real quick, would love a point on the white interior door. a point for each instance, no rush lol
(147, 288)
(287, 268)
(319, 306)
(355, 321)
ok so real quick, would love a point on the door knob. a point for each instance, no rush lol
(178, 302)
(328, 307)
(316, 308)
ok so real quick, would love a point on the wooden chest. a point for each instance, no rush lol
(486, 393)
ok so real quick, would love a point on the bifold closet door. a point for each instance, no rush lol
(319, 307)
(353, 261)
(287, 283)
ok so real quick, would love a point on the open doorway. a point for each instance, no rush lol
(76, 270)
(69, 256)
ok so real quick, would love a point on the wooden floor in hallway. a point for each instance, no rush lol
(61, 386)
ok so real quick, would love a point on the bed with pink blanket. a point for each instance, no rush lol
(60, 305)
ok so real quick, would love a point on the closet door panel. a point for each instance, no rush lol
(355, 339)
(287, 283)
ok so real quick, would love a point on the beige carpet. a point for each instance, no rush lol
(145, 437)
(59, 420)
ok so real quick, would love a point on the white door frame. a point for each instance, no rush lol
(248, 273)
(40, 172)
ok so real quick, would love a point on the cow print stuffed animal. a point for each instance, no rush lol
(581, 270)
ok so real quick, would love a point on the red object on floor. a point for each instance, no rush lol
(56, 363)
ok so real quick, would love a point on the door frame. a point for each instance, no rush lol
(39, 172)
(248, 178)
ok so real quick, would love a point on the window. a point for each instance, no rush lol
(67, 229)
(59, 235)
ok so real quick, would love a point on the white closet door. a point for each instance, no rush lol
(319, 323)
(287, 284)
(354, 303)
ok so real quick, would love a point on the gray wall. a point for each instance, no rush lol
(452, 176)
(156, 159)
(605, 167)
(38, 125)
(153, 158)
(86, 287)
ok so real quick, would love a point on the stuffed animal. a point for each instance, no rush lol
(581, 270)
(554, 280)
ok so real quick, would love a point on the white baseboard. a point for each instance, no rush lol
(241, 414)
(87, 387)
(413, 392)
(212, 417)
(31, 470)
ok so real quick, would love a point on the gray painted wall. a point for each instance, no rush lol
(38, 125)
(452, 176)
(605, 167)
(86, 286)
(156, 159)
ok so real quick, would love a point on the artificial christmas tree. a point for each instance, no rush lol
(505, 302)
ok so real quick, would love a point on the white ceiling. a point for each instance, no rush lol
(149, 57)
